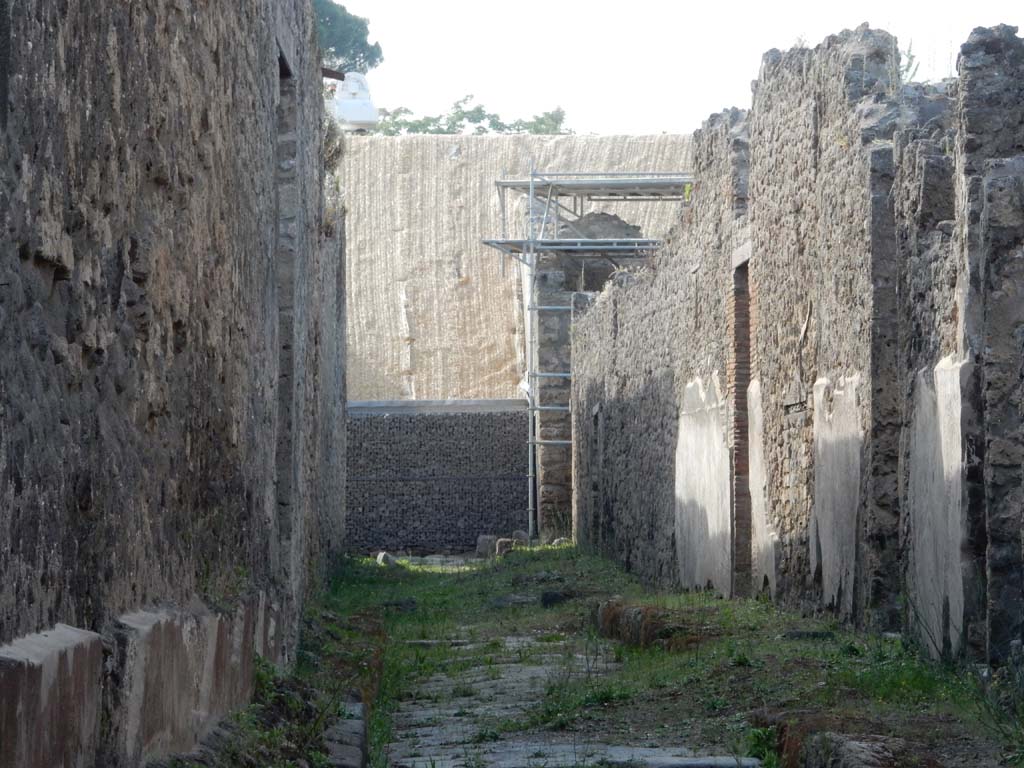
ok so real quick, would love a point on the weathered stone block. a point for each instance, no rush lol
(485, 545)
(173, 675)
(50, 698)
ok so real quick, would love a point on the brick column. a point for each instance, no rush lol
(737, 383)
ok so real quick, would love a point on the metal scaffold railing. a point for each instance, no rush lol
(555, 203)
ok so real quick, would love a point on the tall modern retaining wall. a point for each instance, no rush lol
(431, 477)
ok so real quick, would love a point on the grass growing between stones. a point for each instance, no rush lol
(464, 604)
(735, 675)
(284, 725)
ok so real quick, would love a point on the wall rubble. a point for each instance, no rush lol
(161, 204)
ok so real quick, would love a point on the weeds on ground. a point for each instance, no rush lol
(282, 728)
(733, 657)
(998, 704)
(461, 602)
(763, 743)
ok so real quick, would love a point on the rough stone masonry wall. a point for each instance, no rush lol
(960, 215)
(559, 279)
(942, 524)
(170, 347)
(989, 239)
(823, 264)
(651, 453)
(433, 314)
(886, 230)
(433, 482)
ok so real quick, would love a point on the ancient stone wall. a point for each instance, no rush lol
(958, 207)
(431, 480)
(433, 313)
(989, 242)
(883, 436)
(939, 566)
(823, 247)
(650, 416)
(171, 366)
(558, 279)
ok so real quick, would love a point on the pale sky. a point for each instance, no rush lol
(631, 66)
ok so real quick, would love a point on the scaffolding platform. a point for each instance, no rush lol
(556, 205)
(605, 187)
(580, 248)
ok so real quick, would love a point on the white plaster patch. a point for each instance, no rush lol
(702, 509)
(937, 505)
(838, 438)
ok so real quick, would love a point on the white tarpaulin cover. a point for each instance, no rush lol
(430, 315)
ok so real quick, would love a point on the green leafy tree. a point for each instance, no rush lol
(467, 117)
(344, 39)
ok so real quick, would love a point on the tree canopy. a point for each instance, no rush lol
(344, 39)
(467, 117)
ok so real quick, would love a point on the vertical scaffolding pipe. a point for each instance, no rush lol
(532, 400)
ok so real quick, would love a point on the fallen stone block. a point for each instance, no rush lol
(808, 634)
(344, 756)
(511, 601)
(503, 547)
(173, 675)
(50, 698)
(834, 750)
(636, 625)
(485, 545)
(553, 597)
(349, 732)
(354, 710)
(386, 560)
(348, 739)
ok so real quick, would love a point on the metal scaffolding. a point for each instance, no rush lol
(556, 201)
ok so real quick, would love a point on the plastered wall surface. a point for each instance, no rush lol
(432, 316)
(837, 473)
(939, 571)
(764, 538)
(703, 529)
(171, 359)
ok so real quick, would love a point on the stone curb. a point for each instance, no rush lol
(348, 739)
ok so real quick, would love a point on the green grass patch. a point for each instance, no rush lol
(733, 658)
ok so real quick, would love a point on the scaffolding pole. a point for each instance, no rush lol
(549, 193)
